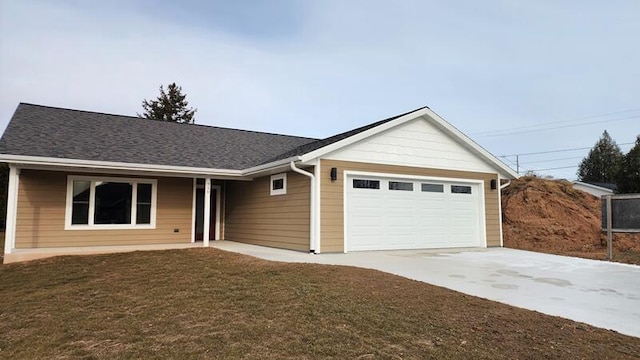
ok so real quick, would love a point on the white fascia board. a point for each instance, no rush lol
(265, 169)
(35, 161)
(359, 136)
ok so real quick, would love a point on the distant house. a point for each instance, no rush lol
(87, 182)
(595, 189)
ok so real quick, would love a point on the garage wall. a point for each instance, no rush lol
(332, 198)
(41, 214)
(253, 216)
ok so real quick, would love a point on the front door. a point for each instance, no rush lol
(200, 214)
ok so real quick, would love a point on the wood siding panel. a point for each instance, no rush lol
(41, 215)
(332, 198)
(418, 143)
(253, 216)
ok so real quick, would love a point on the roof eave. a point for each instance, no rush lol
(270, 167)
(41, 161)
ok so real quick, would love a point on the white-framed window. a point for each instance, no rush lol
(278, 184)
(103, 203)
(366, 184)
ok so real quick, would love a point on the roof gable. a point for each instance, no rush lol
(436, 121)
(416, 143)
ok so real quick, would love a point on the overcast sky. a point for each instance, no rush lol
(516, 76)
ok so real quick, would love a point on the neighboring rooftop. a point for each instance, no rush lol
(44, 131)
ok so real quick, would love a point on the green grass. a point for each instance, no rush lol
(207, 303)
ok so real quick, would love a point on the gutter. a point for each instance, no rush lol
(38, 161)
(269, 166)
(312, 210)
(503, 186)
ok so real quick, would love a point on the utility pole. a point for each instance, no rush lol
(518, 165)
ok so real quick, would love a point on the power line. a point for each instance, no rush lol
(560, 127)
(556, 168)
(556, 122)
(552, 160)
(556, 151)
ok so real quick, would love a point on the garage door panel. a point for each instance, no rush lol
(434, 214)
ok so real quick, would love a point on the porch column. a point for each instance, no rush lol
(207, 212)
(12, 209)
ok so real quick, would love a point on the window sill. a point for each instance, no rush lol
(110, 227)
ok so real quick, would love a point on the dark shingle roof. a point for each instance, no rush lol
(312, 146)
(45, 131)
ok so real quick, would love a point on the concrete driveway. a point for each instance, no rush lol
(598, 293)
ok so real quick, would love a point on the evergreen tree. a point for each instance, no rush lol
(602, 163)
(629, 175)
(169, 106)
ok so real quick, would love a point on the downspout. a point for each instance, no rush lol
(312, 210)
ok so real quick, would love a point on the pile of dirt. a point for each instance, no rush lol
(552, 216)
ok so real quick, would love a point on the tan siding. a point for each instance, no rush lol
(332, 193)
(41, 215)
(254, 216)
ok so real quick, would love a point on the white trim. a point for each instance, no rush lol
(499, 190)
(256, 170)
(427, 114)
(77, 163)
(206, 224)
(193, 211)
(318, 185)
(12, 210)
(283, 191)
(412, 177)
(345, 218)
(92, 180)
(481, 201)
(312, 204)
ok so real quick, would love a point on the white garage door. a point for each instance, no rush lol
(388, 213)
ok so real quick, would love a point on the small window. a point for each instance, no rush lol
(279, 184)
(397, 185)
(432, 188)
(460, 189)
(366, 184)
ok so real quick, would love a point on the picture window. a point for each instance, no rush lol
(103, 203)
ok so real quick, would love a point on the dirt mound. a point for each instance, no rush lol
(552, 216)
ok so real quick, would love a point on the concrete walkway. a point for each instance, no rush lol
(598, 293)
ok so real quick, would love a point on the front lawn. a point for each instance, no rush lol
(207, 303)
